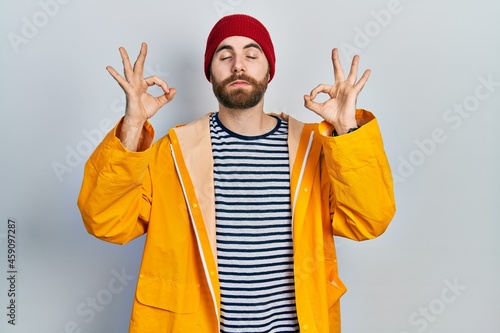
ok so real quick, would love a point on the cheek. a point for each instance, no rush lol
(215, 72)
(220, 70)
(261, 71)
(217, 77)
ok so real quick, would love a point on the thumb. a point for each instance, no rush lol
(310, 104)
(166, 97)
(171, 94)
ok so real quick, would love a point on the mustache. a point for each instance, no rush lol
(241, 76)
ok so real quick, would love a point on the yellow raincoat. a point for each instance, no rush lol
(340, 186)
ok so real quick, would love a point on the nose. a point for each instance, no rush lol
(238, 65)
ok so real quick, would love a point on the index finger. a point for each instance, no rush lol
(338, 72)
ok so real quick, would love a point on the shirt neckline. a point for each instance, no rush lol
(245, 137)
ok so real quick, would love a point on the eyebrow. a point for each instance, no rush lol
(229, 47)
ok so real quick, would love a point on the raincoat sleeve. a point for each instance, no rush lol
(362, 194)
(115, 197)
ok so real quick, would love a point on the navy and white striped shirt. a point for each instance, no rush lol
(253, 230)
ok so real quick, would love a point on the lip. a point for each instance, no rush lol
(239, 83)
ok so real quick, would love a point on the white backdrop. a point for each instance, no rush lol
(435, 88)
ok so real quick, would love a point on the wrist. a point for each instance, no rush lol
(344, 127)
(133, 124)
(352, 129)
(130, 133)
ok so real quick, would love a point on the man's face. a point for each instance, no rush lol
(239, 73)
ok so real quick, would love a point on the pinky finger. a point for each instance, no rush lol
(120, 79)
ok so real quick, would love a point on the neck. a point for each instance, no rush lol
(248, 122)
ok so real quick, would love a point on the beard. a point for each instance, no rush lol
(239, 98)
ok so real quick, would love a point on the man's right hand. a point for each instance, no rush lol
(140, 104)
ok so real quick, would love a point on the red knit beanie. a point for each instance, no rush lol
(239, 25)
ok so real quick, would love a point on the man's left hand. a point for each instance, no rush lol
(340, 109)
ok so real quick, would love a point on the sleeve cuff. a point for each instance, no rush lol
(362, 117)
(146, 139)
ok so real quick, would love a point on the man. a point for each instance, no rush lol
(240, 207)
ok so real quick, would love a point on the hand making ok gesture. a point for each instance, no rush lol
(140, 104)
(340, 109)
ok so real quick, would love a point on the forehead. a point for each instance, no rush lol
(237, 42)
